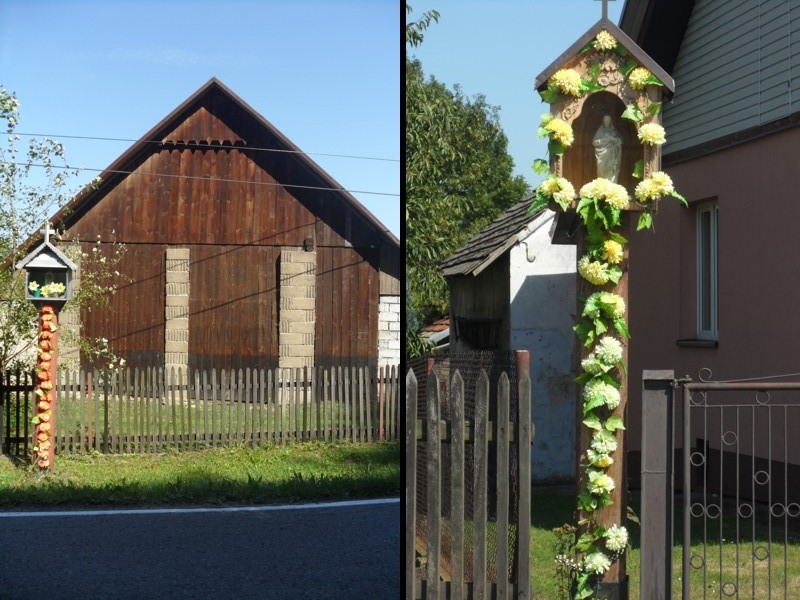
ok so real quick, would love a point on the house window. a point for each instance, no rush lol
(707, 282)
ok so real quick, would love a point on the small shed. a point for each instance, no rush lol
(512, 289)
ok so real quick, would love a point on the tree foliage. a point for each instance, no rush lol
(35, 182)
(458, 176)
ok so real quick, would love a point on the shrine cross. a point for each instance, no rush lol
(605, 7)
(46, 231)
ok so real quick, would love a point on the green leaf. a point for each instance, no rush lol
(542, 133)
(629, 66)
(614, 274)
(541, 166)
(620, 50)
(681, 198)
(638, 169)
(35, 420)
(594, 72)
(645, 221)
(622, 328)
(654, 108)
(613, 423)
(555, 148)
(617, 237)
(549, 95)
(586, 48)
(632, 516)
(592, 404)
(653, 80)
(599, 327)
(633, 113)
(540, 202)
(593, 423)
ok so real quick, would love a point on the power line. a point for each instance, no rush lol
(198, 144)
(215, 179)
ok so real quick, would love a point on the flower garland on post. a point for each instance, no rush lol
(45, 394)
(601, 326)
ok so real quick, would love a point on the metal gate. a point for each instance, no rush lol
(737, 488)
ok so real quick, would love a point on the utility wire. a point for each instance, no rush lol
(121, 172)
(198, 144)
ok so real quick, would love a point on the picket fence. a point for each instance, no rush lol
(153, 410)
(458, 569)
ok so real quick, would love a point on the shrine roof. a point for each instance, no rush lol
(632, 47)
(513, 226)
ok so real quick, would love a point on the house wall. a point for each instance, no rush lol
(542, 288)
(754, 184)
(736, 69)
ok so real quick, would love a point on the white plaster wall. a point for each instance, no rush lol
(543, 289)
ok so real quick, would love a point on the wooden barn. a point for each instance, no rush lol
(241, 252)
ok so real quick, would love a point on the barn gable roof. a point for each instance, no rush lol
(513, 226)
(118, 169)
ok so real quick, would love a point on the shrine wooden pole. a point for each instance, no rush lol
(46, 375)
(614, 582)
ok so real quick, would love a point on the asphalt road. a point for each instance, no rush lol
(327, 553)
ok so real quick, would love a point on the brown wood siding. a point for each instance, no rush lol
(347, 322)
(134, 321)
(234, 227)
(233, 307)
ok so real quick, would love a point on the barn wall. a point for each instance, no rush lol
(234, 231)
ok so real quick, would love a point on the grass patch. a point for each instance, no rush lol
(757, 578)
(296, 472)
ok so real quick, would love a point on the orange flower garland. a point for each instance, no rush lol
(44, 390)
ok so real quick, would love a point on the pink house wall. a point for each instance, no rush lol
(757, 186)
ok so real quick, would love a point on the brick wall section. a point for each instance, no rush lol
(389, 330)
(297, 313)
(176, 333)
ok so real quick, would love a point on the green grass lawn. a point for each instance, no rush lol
(727, 572)
(297, 472)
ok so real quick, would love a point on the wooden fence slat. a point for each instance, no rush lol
(433, 488)
(194, 400)
(368, 398)
(457, 487)
(479, 489)
(205, 410)
(523, 553)
(503, 479)
(270, 405)
(296, 399)
(111, 413)
(214, 431)
(411, 482)
(96, 411)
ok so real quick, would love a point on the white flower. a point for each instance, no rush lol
(604, 442)
(597, 389)
(616, 538)
(608, 350)
(600, 483)
(596, 562)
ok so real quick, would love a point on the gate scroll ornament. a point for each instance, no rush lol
(606, 87)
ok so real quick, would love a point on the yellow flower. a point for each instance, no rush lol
(638, 78)
(593, 271)
(658, 185)
(604, 41)
(615, 195)
(652, 134)
(612, 252)
(559, 189)
(566, 81)
(560, 131)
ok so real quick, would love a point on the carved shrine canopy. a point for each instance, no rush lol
(608, 113)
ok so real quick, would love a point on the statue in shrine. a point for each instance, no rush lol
(607, 144)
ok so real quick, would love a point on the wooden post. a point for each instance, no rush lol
(657, 511)
(613, 584)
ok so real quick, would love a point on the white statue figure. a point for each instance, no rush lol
(607, 144)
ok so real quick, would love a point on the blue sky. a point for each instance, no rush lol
(497, 49)
(325, 73)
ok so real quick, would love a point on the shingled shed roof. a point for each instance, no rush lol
(491, 242)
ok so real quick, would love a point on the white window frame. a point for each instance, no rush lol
(707, 272)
